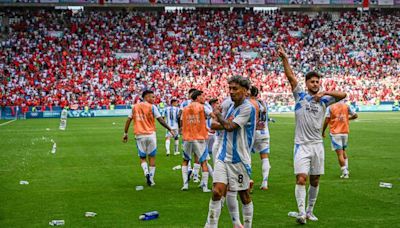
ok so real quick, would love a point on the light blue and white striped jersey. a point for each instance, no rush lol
(236, 146)
(226, 103)
(171, 116)
(264, 133)
(185, 103)
(309, 116)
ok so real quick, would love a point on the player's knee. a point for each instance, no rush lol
(301, 179)
(245, 197)
(217, 193)
(314, 182)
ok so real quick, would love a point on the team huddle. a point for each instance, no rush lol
(227, 133)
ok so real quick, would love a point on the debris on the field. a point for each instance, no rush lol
(54, 149)
(47, 129)
(293, 214)
(23, 182)
(90, 214)
(178, 167)
(113, 123)
(385, 185)
(57, 223)
(139, 188)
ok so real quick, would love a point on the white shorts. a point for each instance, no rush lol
(339, 141)
(309, 158)
(168, 134)
(146, 145)
(198, 148)
(261, 146)
(236, 175)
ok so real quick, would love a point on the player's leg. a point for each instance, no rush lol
(265, 165)
(313, 190)
(176, 143)
(186, 161)
(196, 169)
(342, 162)
(247, 208)
(239, 181)
(219, 189)
(141, 147)
(152, 151)
(302, 166)
(167, 143)
(233, 208)
(200, 151)
(345, 138)
(317, 164)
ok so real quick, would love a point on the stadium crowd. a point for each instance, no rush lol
(59, 58)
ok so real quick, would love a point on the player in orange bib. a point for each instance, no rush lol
(338, 116)
(144, 128)
(195, 135)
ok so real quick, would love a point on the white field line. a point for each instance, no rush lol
(8, 122)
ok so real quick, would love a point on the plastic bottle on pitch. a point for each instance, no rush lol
(53, 150)
(149, 215)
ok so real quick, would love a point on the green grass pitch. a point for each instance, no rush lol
(93, 170)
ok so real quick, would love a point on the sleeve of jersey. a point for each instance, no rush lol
(328, 113)
(351, 110)
(328, 100)
(156, 113)
(207, 111)
(243, 117)
(298, 93)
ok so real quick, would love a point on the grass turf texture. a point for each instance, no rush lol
(94, 171)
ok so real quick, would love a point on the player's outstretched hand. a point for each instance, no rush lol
(281, 52)
(125, 138)
(318, 96)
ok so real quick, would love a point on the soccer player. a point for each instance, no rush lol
(261, 143)
(213, 103)
(309, 152)
(144, 127)
(195, 135)
(338, 116)
(233, 164)
(196, 168)
(172, 118)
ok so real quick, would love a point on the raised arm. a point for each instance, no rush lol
(288, 70)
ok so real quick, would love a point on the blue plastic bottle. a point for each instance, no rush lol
(149, 215)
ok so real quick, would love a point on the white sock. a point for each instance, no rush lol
(265, 171)
(185, 175)
(312, 197)
(344, 170)
(176, 146)
(210, 169)
(145, 168)
(196, 169)
(213, 214)
(300, 192)
(167, 143)
(346, 163)
(152, 172)
(247, 211)
(233, 207)
(204, 180)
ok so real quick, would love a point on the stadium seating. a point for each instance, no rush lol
(57, 58)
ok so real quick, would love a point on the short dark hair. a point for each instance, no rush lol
(212, 101)
(242, 81)
(195, 94)
(174, 100)
(312, 74)
(253, 91)
(146, 92)
(191, 90)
